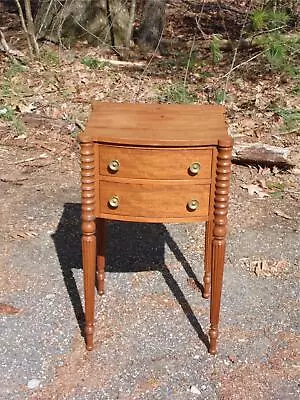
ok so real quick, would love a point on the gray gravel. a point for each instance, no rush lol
(151, 324)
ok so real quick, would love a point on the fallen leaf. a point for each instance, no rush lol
(275, 170)
(248, 123)
(23, 136)
(7, 309)
(255, 189)
(25, 108)
(262, 183)
(268, 268)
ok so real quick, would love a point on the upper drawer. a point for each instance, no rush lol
(145, 163)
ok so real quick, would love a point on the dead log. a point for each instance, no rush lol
(262, 154)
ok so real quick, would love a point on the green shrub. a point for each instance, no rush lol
(281, 51)
(177, 93)
(268, 19)
(93, 63)
(7, 113)
(215, 49)
(50, 57)
(291, 117)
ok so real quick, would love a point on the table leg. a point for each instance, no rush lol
(219, 233)
(88, 236)
(101, 242)
(207, 259)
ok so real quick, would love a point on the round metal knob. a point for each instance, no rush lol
(194, 168)
(114, 165)
(193, 205)
(114, 201)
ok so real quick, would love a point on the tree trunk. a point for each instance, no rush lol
(150, 32)
(97, 21)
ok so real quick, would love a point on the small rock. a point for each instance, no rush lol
(33, 383)
(196, 357)
(50, 296)
(195, 390)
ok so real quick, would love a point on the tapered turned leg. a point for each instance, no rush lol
(88, 236)
(219, 233)
(101, 240)
(207, 259)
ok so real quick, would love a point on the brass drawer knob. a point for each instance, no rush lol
(194, 168)
(114, 201)
(114, 166)
(193, 205)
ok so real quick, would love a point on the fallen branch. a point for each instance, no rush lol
(267, 31)
(123, 63)
(262, 154)
(30, 159)
(241, 64)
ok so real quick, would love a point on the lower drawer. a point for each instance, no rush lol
(153, 201)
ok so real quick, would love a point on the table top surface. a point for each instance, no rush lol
(156, 124)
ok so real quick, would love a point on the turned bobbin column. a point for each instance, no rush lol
(219, 233)
(88, 235)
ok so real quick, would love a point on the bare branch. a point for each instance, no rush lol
(243, 63)
(236, 50)
(30, 28)
(267, 31)
(198, 19)
(23, 23)
(189, 61)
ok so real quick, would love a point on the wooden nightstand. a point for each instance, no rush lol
(155, 163)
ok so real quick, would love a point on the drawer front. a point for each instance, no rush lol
(153, 200)
(145, 163)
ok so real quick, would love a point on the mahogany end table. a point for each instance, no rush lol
(155, 163)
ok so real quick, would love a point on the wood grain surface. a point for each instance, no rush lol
(153, 201)
(156, 124)
(145, 163)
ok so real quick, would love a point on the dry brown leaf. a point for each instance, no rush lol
(7, 309)
(247, 123)
(255, 189)
(262, 183)
(267, 268)
(25, 108)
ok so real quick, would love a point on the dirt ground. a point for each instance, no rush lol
(152, 322)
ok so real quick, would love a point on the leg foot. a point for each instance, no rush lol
(213, 335)
(89, 334)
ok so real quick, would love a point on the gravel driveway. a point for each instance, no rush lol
(151, 325)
